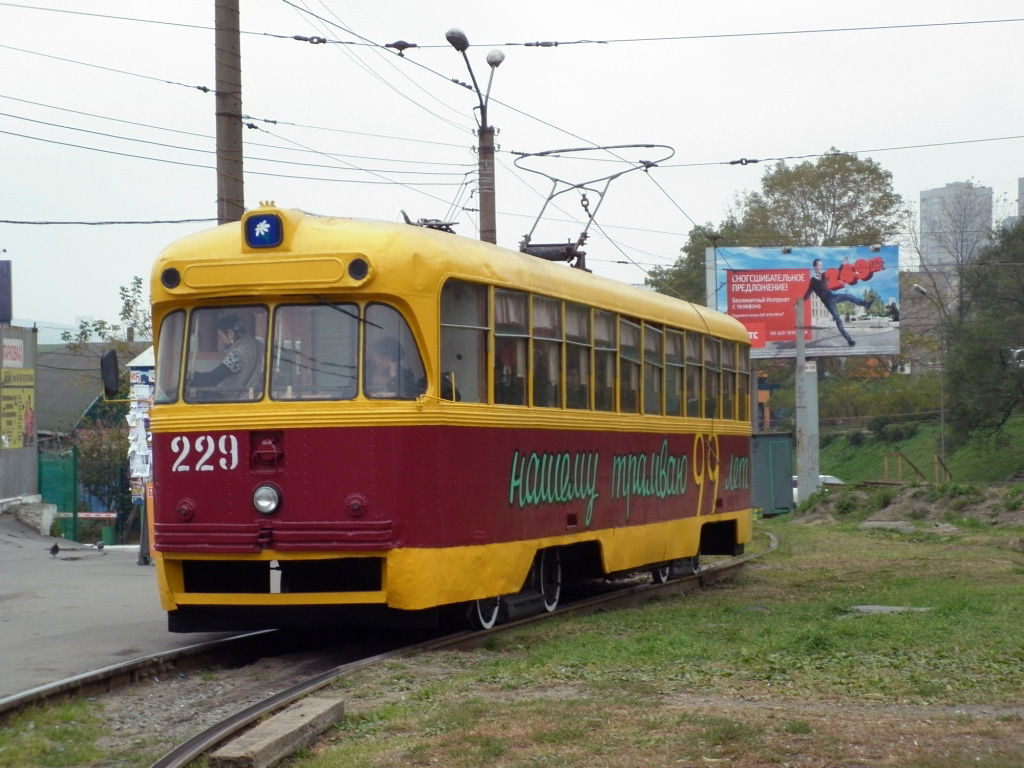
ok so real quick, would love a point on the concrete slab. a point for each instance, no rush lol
(81, 610)
(282, 735)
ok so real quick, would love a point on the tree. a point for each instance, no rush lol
(837, 200)
(136, 322)
(102, 466)
(686, 278)
(984, 365)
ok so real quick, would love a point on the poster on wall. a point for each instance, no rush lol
(850, 293)
(17, 398)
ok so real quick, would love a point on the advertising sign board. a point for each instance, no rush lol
(851, 297)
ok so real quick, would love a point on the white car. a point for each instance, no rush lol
(823, 480)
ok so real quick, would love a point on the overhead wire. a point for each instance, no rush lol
(525, 114)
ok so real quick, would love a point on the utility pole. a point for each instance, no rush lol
(230, 196)
(808, 479)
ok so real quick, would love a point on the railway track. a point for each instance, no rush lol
(327, 667)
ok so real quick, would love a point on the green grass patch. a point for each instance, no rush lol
(52, 737)
(741, 672)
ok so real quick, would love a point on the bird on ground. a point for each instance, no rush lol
(99, 545)
(54, 550)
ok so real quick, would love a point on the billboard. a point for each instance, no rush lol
(851, 297)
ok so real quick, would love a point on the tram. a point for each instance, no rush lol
(370, 422)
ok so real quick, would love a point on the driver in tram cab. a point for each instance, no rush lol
(242, 366)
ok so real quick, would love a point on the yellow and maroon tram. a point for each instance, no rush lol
(368, 421)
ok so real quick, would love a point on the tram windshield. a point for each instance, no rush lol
(316, 352)
(226, 354)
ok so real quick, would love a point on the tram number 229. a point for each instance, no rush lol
(206, 454)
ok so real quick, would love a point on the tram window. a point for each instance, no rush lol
(510, 337)
(694, 377)
(315, 352)
(577, 356)
(712, 378)
(547, 352)
(743, 385)
(652, 369)
(168, 364)
(728, 380)
(226, 354)
(629, 366)
(463, 342)
(674, 373)
(604, 361)
(392, 366)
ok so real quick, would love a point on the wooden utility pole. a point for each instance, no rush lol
(230, 193)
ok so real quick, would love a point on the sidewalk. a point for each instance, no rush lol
(78, 611)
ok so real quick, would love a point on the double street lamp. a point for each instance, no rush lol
(485, 133)
(942, 373)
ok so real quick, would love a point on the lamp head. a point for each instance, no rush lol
(458, 40)
(921, 290)
(494, 58)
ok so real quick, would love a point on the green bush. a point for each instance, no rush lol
(878, 426)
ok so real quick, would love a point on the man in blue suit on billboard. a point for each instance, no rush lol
(819, 287)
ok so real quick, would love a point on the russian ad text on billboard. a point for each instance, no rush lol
(851, 297)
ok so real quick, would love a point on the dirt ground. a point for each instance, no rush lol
(996, 506)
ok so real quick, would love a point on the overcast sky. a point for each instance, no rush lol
(103, 118)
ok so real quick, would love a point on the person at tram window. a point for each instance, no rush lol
(386, 377)
(242, 366)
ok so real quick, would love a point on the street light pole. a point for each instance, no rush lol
(485, 151)
(942, 374)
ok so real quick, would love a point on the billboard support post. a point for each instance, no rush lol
(806, 381)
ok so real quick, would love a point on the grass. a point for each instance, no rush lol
(982, 460)
(53, 736)
(775, 667)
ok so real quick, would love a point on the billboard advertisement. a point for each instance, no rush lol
(851, 297)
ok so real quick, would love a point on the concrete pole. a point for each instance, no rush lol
(488, 217)
(230, 195)
(807, 463)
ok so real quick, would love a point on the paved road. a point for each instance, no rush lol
(81, 610)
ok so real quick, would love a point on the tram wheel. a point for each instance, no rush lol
(484, 613)
(550, 578)
(661, 574)
(689, 565)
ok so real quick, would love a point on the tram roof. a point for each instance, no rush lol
(416, 260)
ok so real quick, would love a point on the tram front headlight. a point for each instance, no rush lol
(266, 499)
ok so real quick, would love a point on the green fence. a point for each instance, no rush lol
(58, 485)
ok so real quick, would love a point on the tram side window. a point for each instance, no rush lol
(629, 366)
(547, 352)
(674, 373)
(463, 342)
(729, 379)
(652, 369)
(604, 361)
(712, 378)
(392, 366)
(168, 362)
(694, 377)
(315, 352)
(743, 388)
(226, 354)
(577, 356)
(510, 337)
